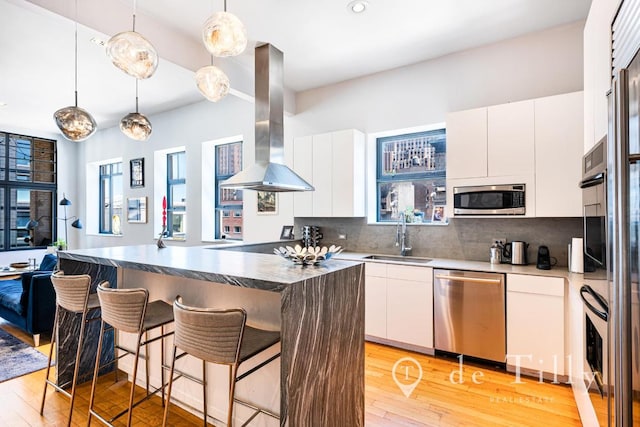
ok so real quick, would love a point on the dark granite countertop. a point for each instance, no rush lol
(245, 269)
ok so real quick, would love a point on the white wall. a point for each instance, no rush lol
(536, 65)
(189, 127)
(531, 66)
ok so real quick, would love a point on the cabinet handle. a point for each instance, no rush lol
(469, 279)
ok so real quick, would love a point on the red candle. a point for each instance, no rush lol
(164, 211)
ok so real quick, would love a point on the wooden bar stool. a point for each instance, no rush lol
(72, 294)
(129, 310)
(221, 337)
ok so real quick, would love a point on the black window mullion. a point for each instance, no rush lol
(9, 185)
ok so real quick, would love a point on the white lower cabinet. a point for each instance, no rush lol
(535, 323)
(399, 305)
(375, 317)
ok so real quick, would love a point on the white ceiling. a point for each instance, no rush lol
(322, 41)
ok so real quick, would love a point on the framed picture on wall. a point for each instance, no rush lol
(267, 203)
(136, 167)
(137, 210)
(287, 232)
(438, 214)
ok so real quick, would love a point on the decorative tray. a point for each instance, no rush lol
(19, 265)
(313, 255)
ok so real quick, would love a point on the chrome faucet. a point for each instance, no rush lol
(401, 235)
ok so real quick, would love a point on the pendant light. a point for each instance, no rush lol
(135, 125)
(212, 82)
(75, 123)
(132, 53)
(224, 34)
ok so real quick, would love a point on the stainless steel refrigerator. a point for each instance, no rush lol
(623, 202)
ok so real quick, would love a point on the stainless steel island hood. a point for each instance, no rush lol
(268, 173)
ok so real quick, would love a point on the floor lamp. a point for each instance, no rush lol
(75, 224)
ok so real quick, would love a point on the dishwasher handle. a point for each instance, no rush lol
(469, 279)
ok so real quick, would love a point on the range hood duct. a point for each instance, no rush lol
(269, 172)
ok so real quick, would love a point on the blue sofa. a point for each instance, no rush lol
(30, 301)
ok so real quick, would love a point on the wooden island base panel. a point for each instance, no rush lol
(318, 309)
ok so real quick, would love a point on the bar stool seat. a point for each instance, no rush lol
(73, 294)
(255, 341)
(129, 310)
(220, 337)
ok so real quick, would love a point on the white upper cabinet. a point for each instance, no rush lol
(467, 144)
(491, 141)
(348, 162)
(334, 163)
(322, 174)
(303, 165)
(559, 145)
(535, 142)
(510, 139)
(597, 69)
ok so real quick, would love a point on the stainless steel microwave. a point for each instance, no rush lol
(489, 200)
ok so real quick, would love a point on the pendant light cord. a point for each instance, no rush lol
(134, 15)
(75, 52)
(136, 96)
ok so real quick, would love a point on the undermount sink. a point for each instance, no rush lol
(398, 258)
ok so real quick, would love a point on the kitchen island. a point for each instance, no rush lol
(319, 311)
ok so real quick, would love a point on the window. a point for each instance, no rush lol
(176, 195)
(411, 176)
(27, 191)
(111, 198)
(228, 201)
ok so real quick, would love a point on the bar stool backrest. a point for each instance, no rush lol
(123, 308)
(72, 291)
(209, 334)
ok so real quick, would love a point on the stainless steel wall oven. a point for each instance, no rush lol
(595, 289)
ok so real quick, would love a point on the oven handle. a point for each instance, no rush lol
(604, 314)
(593, 181)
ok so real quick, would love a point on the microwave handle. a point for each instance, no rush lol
(604, 313)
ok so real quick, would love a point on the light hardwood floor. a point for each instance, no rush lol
(435, 401)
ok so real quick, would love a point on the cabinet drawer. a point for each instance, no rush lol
(407, 272)
(376, 269)
(553, 286)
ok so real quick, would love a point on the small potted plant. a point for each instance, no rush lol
(60, 244)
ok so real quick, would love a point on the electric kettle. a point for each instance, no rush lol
(515, 252)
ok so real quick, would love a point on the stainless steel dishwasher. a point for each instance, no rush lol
(469, 313)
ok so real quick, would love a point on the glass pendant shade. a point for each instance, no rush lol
(224, 35)
(75, 123)
(133, 54)
(136, 126)
(212, 83)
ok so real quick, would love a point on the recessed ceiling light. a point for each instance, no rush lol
(357, 6)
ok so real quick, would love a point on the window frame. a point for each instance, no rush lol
(227, 210)
(374, 169)
(101, 197)
(7, 184)
(174, 182)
